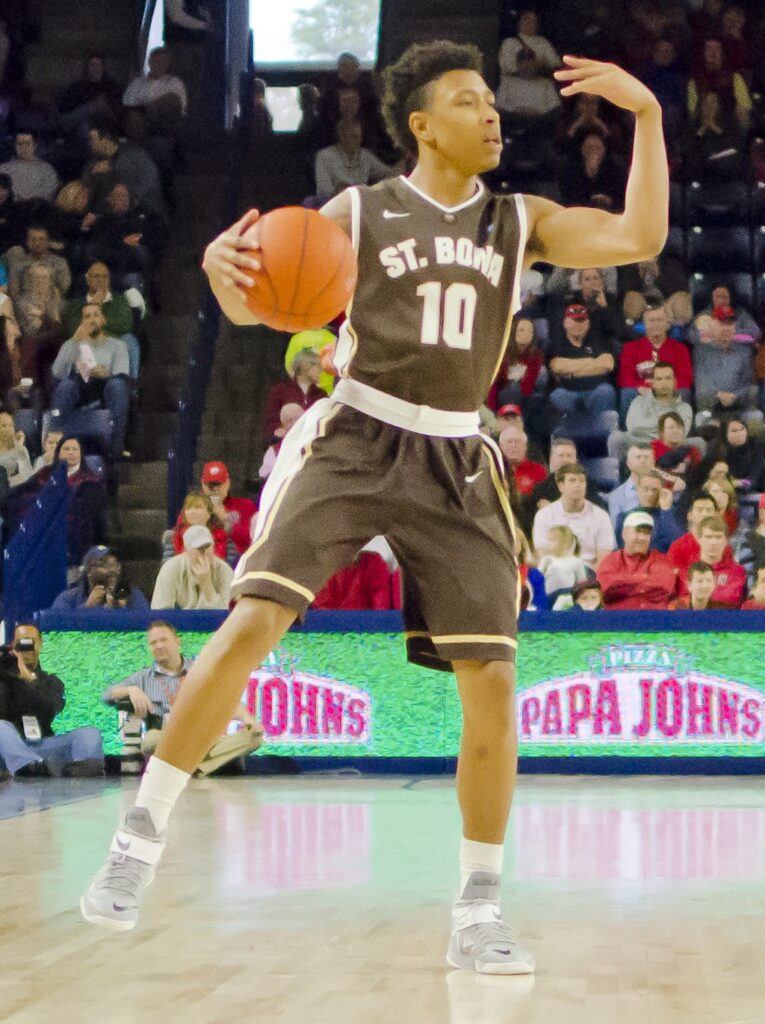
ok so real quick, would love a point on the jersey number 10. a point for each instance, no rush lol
(451, 320)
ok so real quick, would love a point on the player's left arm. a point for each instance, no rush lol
(580, 237)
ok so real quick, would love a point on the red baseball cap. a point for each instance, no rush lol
(724, 313)
(509, 410)
(215, 473)
(577, 311)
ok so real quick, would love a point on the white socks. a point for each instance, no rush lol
(476, 856)
(160, 787)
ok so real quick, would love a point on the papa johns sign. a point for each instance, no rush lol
(639, 694)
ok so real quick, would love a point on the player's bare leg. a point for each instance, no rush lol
(486, 776)
(205, 705)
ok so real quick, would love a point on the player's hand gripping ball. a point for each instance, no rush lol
(308, 270)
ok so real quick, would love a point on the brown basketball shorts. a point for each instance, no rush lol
(343, 477)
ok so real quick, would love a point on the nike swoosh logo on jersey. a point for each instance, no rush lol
(473, 477)
(390, 214)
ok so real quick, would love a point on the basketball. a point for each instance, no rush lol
(308, 270)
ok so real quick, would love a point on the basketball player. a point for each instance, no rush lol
(397, 451)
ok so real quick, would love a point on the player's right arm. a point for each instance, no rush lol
(230, 256)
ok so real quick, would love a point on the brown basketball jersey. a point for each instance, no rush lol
(436, 293)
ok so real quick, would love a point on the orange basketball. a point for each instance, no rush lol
(308, 270)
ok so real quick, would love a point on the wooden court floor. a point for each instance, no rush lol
(325, 900)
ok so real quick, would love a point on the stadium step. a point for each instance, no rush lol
(151, 475)
(142, 573)
(144, 522)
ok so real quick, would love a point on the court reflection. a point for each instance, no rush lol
(487, 999)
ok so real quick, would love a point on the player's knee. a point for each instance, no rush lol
(488, 696)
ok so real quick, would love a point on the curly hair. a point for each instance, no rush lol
(406, 81)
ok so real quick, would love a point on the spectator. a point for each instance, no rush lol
(593, 177)
(36, 252)
(349, 95)
(651, 281)
(687, 548)
(196, 579)
(302, 388)
(67, 220)
(647, 409)
(562, 568)
(30, 699)
(716, 76)
(233, 515)
(701, 585)
(744, 455)
(347, 162)
(655, 498)
(588, 596)
(590, 289)
(730, 577)
(39, 311)
(14, 457)
(664, 77)
(756, 599)
(50, 443)
(562, 452)
(734, 41)
(150, 694)
(714, 146)
(624, 498)
(288, 417)
(261, 121)
(95, 94)
(124, 237)
(752, 550)
(675, 455)
(92, 366)
(198, 510)
(526, 37)
(581, 365)
(721, 306)
(117, 308)
(103, 583)
(589, 523)
(116, 161)
(637, 577)
(12, 215)
(11, 389)
(585, 117)
(523, 373)
(639, 358)
(723, 371)
(31, 177)
(529, 97)
(723, 493)
(514, 445)
(161, 95)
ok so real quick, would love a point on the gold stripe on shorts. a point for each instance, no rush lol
(282, 581)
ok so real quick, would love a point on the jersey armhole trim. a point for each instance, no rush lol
(355, 197)
(523, 230)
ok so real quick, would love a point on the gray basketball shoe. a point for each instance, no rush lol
(113, 897)
(480, 941)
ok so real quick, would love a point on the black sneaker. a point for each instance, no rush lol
(90, 768)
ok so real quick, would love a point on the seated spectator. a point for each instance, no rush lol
(116, 161)
(124, 238)
(751, 551)
(526, 37)
(529, 97)
(95, 94)
(588, 596)
(624, 497)
(349, 95)
(197, 578)
(36, 251)
(347, 162)
(150, 693)
(730, 577)
(639, 358)
(665, 78)
(12, 216)
(655, 498)
(198, 510)
(593, 177)
(103, 583)
(648, 408)
(744, 455)
(120, 311)
(288, 417)
(93, 367)
(734, 40)
(687, 451)
(756, 599)
(30, 699)
(232, 515)
(714, 75)
(639, 576)
(367, 584)
(562, 568)
(67, 221)
(11, 363)
(590, 288)
(161, 96)
(721, 304)
(581, 364)
(701, 584)
(514, 445)
(302, 388)
(590, 524)
(687, 548)
(724, 372)
(50, 443)
(14, 457)
(261, 120)
(723, 493)
(523, 373)
(562, 452)
(39, 306)
(653, 281)
(714, 145)
(586, 116)
(31, 177)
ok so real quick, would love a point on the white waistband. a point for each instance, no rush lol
(421, 419)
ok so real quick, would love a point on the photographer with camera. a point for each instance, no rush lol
(102, 584)
(149, 694)
(29, 701)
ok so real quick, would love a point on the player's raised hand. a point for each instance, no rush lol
(231, 254)
(607, 80)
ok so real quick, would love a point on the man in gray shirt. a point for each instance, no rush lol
(92, 367)
(645, 410)
(32, 177)
(723, 370)
(36, 251)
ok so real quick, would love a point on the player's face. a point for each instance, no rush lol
(461, 123)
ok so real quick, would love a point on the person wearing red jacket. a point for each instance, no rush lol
(366, 584)
(523, 371)
(233, 515)
(513, 443)
(198, 510)
(302, 388)
(687, 549)
(637, 577)
(639, 357)
(730, 577)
